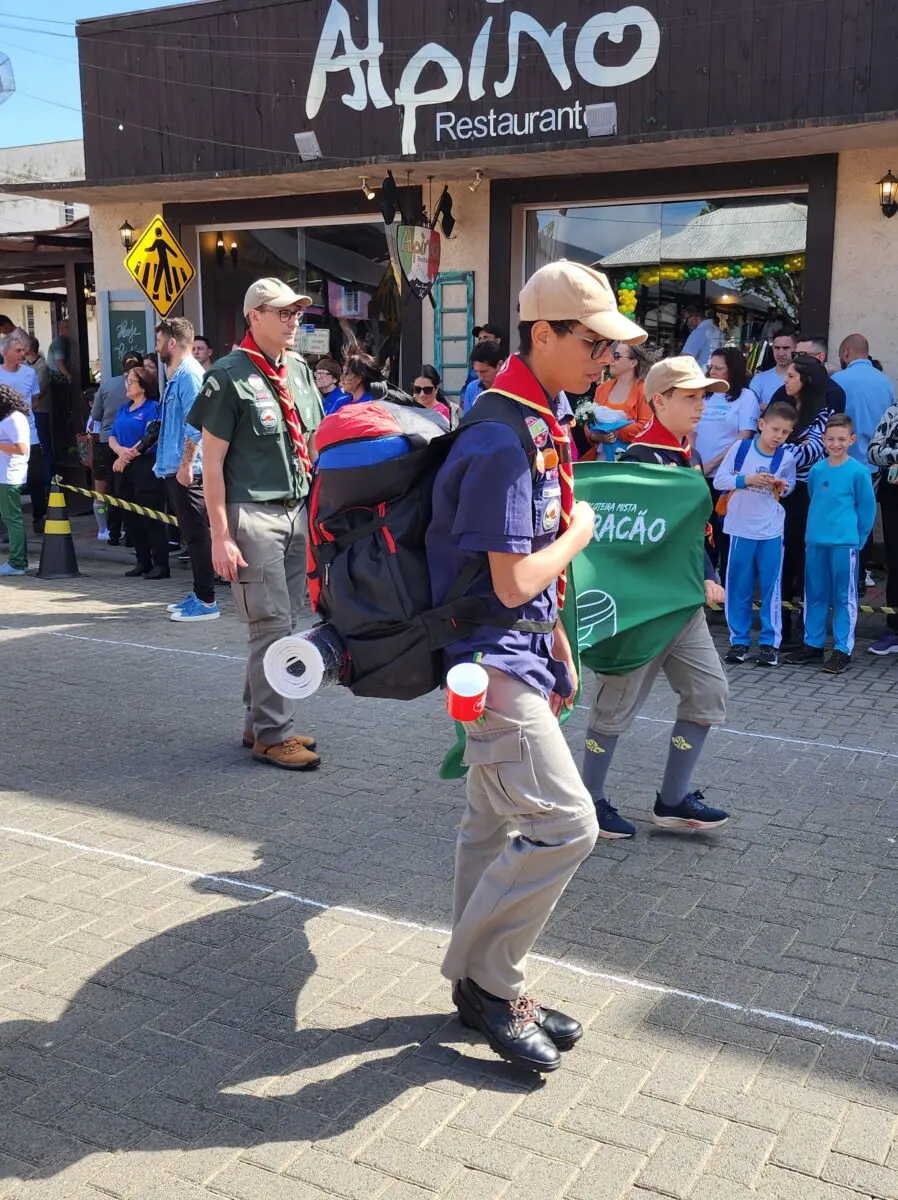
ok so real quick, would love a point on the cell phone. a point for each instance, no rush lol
(892, 475)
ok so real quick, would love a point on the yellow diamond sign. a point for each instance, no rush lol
(159, 266)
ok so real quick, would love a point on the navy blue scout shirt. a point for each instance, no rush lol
(485, 499)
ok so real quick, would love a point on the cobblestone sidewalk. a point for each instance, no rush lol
(223, 981)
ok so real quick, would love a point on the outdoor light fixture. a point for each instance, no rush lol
(367, 192)
(233, 253)
(476, 181)
(126, 233)
(219, 249)
(888, 194)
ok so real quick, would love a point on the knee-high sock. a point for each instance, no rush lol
(686, 743)
(100, 511)
(600, 749)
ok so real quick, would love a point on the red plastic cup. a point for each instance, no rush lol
(466, 686)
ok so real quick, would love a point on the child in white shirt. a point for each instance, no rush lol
(755, 475)
(15, 447)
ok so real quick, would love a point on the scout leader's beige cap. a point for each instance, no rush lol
(682, 372)
(274, 293)
(570, 291)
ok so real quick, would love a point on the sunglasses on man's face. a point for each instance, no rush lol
(423, 391)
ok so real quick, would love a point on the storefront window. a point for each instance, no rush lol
(344, 267)
(739, 260)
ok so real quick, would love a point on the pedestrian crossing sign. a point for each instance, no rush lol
(159, 266)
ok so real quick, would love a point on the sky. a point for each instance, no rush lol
(46, 105)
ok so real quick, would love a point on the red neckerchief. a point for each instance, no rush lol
(518, 382)
(659, 437)
(278, 380)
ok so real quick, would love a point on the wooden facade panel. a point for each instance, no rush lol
(224, 85)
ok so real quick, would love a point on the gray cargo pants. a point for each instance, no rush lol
(528, 825)
(693, 669)
(268, 597)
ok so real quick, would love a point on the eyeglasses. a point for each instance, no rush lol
(423, 391)
(286, 314)
(598, 348)
(617, 356)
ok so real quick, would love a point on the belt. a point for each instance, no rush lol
(289, 504)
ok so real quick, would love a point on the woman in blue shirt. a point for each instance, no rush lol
(134, 466)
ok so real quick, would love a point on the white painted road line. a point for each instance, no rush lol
(767, 737)
(259, 889)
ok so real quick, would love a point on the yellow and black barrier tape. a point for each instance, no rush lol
(864, 608)
(114, 500)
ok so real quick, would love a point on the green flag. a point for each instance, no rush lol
(639, 580)
(642, 576)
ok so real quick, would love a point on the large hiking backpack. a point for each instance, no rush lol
(368, 572)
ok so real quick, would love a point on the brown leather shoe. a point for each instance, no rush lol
(249, 740)
(290, 754)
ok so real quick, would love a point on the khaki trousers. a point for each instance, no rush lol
(528, 825)
(268, 596)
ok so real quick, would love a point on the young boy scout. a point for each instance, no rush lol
(529, 822)
(258, 409)
(675, 389)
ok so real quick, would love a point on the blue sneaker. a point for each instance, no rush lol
(690, 813)
(196, 610)
(9, 569)
(887, 644)
(611, 824)
(181, 603)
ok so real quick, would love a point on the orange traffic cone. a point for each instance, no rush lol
(58, 559)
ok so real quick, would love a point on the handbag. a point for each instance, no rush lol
(87, 443)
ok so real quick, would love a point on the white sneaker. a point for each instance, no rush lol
(103, 535)
(869, 581)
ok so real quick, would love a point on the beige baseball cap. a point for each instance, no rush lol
(570, 291)
(273, 292)
(681, 372)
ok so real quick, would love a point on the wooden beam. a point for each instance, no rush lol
(49, 258)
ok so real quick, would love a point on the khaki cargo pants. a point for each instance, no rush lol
(268, 597)
(528, 825)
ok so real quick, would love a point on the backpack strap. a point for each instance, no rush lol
(493, 406)
(741, 455)
(777, 461)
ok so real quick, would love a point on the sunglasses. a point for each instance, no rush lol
(423, 391)
(617, 356)
(598, 348)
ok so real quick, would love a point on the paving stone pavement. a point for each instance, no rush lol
(218, 980)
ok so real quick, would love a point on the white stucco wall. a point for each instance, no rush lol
(865, 258)
(50, 161)
(467, 250)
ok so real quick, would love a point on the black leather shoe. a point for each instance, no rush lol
(509, 1026)
(564, 1031)
(159, 573)
(135, 571)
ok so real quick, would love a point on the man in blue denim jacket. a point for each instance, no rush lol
(179, 465)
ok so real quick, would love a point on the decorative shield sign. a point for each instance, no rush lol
(419, 257)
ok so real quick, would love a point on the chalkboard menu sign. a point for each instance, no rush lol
(127, 331)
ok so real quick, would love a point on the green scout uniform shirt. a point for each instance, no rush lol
(236, 404)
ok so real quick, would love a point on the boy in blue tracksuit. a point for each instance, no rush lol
(842, 512)
(756, 474)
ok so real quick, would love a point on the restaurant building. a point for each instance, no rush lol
(719, 154)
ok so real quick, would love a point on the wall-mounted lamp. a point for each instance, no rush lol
(219, 249)
(233, 253)
(126, 233)
(476, 181)
(888, 194)
(367, 192)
